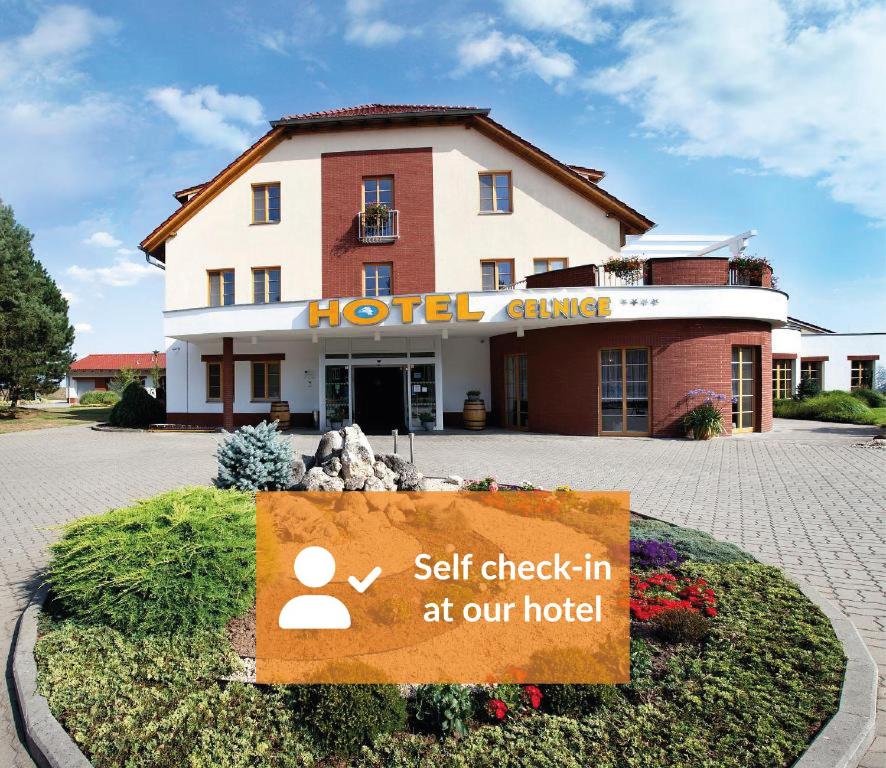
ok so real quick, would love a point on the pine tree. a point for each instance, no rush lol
(35, 335)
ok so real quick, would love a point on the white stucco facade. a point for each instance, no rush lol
(548, 220)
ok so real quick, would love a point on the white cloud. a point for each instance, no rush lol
(103, 240)
(61, 34)
(496, 51)
(364, 26)
(226, 121)
(579, 19)
(798, 98)
(83, 327)
(70, 296)
(123, 272)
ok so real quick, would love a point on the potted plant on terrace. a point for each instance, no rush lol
(474, 411)
(705, 419)
(427, 418)
(750, 269)
(627, 268)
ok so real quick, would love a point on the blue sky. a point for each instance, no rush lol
(707, 115)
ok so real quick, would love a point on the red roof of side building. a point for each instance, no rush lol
(138, 361)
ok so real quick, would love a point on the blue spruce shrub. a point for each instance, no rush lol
(255, 459)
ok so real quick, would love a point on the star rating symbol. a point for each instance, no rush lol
(643, 302)
(633, 302)
(654, 302)
(624, 301)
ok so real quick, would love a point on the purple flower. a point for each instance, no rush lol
(654, 554)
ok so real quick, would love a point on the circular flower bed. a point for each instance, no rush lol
(730, 665)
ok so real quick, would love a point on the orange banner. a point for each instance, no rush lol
(523, 586)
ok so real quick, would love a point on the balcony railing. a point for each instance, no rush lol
(612, 280)
(376, 228)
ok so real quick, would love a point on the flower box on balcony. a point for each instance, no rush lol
(378, 224)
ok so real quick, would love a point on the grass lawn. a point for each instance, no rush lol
(31, 418)
(880, 414)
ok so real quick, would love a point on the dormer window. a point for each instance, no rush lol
(265, 203)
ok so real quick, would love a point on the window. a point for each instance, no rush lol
(546, 265)
(266, 285)
(378, 190)
(221, 287)
(377, 279)
(624, 391)
(265, 203)
(810, 370)
(498, 274)
(213, 381)
(495, 192)
(862, 374)
(266, 380)
(782, 379)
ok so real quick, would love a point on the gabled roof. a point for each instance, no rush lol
(579, 178)
(139, 361)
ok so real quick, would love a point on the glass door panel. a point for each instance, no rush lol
(743, 385)
(516, 391)
(337, 394)
(624, 391)
(423, 392)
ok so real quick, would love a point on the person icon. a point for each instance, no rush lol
(314, 567)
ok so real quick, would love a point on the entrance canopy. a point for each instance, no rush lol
(475, 313)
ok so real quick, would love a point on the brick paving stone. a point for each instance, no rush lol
(808, 497)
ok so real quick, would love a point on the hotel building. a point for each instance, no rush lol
(375, 263)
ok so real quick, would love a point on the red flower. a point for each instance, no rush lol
(533, 695)
(497, 709)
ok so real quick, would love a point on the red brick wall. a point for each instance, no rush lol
(688, 271)
(563, 370)
(571, 277)
(412, 255)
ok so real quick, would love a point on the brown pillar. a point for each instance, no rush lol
(227, 383)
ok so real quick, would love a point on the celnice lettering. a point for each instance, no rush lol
(447, 308)
(553, 309)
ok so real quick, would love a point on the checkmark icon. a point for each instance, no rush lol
(362, 586)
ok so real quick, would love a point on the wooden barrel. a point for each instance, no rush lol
(474, 414)
(280, 412)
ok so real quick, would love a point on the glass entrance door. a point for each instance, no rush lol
(743, 385)
(624, 391)
(516, 392)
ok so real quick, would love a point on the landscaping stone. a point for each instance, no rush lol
(330, 445)
(357, 458)
(333, 466)
(316, 479)
(299, 470)
(385, 476)
(405, 472)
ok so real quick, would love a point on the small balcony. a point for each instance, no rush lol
(378, 225)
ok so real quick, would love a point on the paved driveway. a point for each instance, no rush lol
(807, 496)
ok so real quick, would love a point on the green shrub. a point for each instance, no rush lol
(175, 562)
(255, 459)
(136, 408)
(841, 407)
(95, 397)
(807, 388)
(681, 625)
(704, 421)
(870, 397)
(577, 700)
(156, 702)
(690, 543)
(340, 719)
(442, 709)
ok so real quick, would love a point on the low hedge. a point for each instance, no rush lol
(95, 397)
(179, 561)
(870, 397)
(840, 407)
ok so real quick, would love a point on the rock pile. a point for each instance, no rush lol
(345, 461)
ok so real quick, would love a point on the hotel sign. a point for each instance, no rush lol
(447, 308)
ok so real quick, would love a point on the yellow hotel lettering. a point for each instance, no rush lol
(444, 308)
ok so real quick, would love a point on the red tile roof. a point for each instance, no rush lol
(139, 361)
(365, 110)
